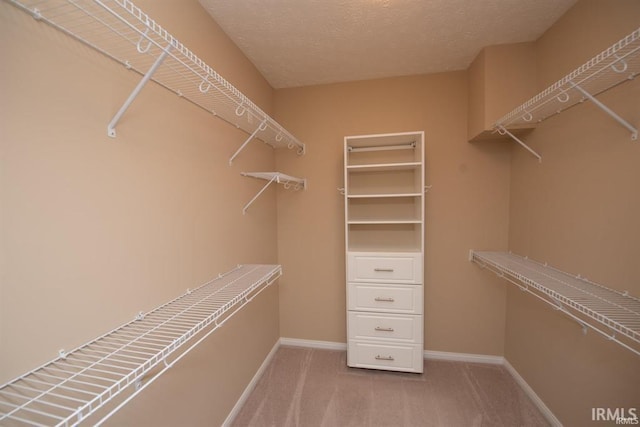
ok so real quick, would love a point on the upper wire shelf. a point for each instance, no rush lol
(609, 312)
(617, 64)
(67, 390)
(121, 31)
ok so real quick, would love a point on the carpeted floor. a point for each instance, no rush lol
(309, 387)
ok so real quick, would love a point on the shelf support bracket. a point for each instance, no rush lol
(111, 128)
(609, 111)
(263, 126)
(271, 181)
(503, 131)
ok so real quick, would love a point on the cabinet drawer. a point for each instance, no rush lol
(385, 267)
(385, 298)
(386, 327)
(406, 358)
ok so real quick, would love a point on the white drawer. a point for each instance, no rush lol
(398, 267)
(385, 298)
(408, 358)
(386, 327)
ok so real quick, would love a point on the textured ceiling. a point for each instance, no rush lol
(306, 42)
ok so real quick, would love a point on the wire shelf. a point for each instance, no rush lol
(280, 178)
(613, 312)
(617, 64)
(121, 31)
(68, 389)
(277, 177)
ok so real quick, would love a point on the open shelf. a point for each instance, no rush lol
(611, 313)
(380, 209)
(75, 385)
(382, 236)
(384, 181)
(122, 32)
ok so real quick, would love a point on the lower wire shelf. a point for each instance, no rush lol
(67, 390)
(614, 314)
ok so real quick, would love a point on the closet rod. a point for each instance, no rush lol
(406, 146)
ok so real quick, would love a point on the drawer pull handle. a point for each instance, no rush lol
(380, 328)
(378, 357)
(384, 299)
(386, 270)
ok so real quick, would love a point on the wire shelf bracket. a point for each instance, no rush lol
(609, 111)
(124, 33)
(78, 383)
(111, 128)
(611, 313)
(610, 68)
(262, 127)
(277, 177)
(503, 131)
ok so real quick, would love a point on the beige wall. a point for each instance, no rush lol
(467, 207)
(500, 77)
(578, 210)
(95, 229)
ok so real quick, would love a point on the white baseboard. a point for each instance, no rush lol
(252, 384)
(546, 412)
(463, 357)
(324, 345)
(428, 354)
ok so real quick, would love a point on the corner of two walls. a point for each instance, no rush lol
(96, 229)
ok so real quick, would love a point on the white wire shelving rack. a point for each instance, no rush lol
(612, 67)
(277, 177)
(613, 314)
(122, 32)
(72, 387)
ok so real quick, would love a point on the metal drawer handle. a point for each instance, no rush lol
(379, 328)
(386, 270)
(384, 299)
(378, 357)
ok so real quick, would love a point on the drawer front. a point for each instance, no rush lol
(406, 358)
(385, 268)
(386, 327)
(385, 298)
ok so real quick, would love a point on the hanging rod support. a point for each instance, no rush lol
(271, 181)
(111, 129)
(503, 131)
(263, 126)
(609, 111)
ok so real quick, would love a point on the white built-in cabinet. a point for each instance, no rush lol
(384, 234)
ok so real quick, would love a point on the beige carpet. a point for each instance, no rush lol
(308, 387)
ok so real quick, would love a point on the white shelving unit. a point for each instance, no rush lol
(614, 314)
(67, 390)
(277, 177)
(384, 229)
(616, 65)
(121, 31)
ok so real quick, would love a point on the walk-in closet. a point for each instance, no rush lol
(339, 213)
